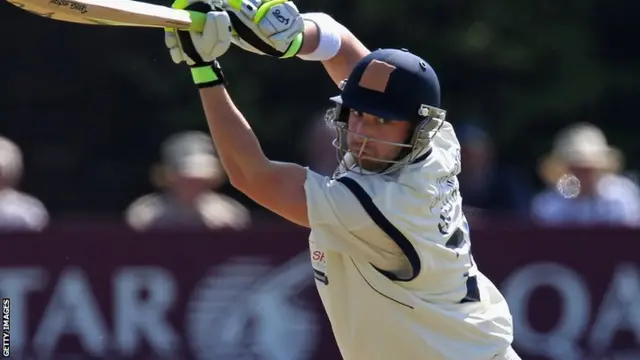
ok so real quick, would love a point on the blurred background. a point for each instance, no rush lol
(121, 238)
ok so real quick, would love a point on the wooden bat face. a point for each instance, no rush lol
(114, 13)
(56, 15)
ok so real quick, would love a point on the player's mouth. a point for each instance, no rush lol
(360, 151)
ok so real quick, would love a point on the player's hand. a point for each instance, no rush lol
(265, 27)
(200, 49)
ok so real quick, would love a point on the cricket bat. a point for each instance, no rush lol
(114, 13)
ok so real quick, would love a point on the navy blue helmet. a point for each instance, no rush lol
(392, 84)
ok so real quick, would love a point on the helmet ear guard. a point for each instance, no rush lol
(342, 111)
(338, 113)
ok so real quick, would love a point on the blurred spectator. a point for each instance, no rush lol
(584, 186)
(18, 211)
(320, 155)
(189, 174)
(486, 186)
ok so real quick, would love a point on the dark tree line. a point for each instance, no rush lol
(90, 105)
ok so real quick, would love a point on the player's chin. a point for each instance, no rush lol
(371, 165)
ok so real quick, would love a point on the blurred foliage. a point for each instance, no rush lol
(90, 105)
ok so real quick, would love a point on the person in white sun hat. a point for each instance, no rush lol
(585, 187)
(189, 177)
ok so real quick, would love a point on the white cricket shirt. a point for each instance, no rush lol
(393, 267)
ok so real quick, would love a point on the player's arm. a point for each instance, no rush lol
(333, 44)
(277, 186)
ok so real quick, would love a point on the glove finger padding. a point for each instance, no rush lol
(272, 27)
(176, 52)
(173, 44)
(218, 26)
(186, 38)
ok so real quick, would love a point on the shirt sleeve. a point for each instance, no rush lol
(627, 194)
(40, 216)
(339, 222)
(28, 213)
(330, 203)
(141, 214)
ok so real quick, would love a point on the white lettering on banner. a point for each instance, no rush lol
(245, 307)
(72, 310)
(139, 316)
(619, 311)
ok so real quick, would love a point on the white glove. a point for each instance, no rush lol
(200, 48)
(265, 27)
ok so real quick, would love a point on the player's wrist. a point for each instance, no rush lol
(209, 75)
(327, 41)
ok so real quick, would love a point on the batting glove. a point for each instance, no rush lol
(200, 50)
(265, 27)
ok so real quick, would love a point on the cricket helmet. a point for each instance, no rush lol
(394, 85)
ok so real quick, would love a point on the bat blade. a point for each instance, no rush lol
(114, 13)
(60, 16)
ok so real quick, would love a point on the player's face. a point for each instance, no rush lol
(365, 128)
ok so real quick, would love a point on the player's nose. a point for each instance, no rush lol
(361, 127)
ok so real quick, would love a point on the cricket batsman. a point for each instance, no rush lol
(390, 245)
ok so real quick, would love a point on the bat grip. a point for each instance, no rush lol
(197, 21)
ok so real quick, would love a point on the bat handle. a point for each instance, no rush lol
(197, 21)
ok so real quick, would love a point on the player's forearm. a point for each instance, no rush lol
(236, 143)
(350, 52)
